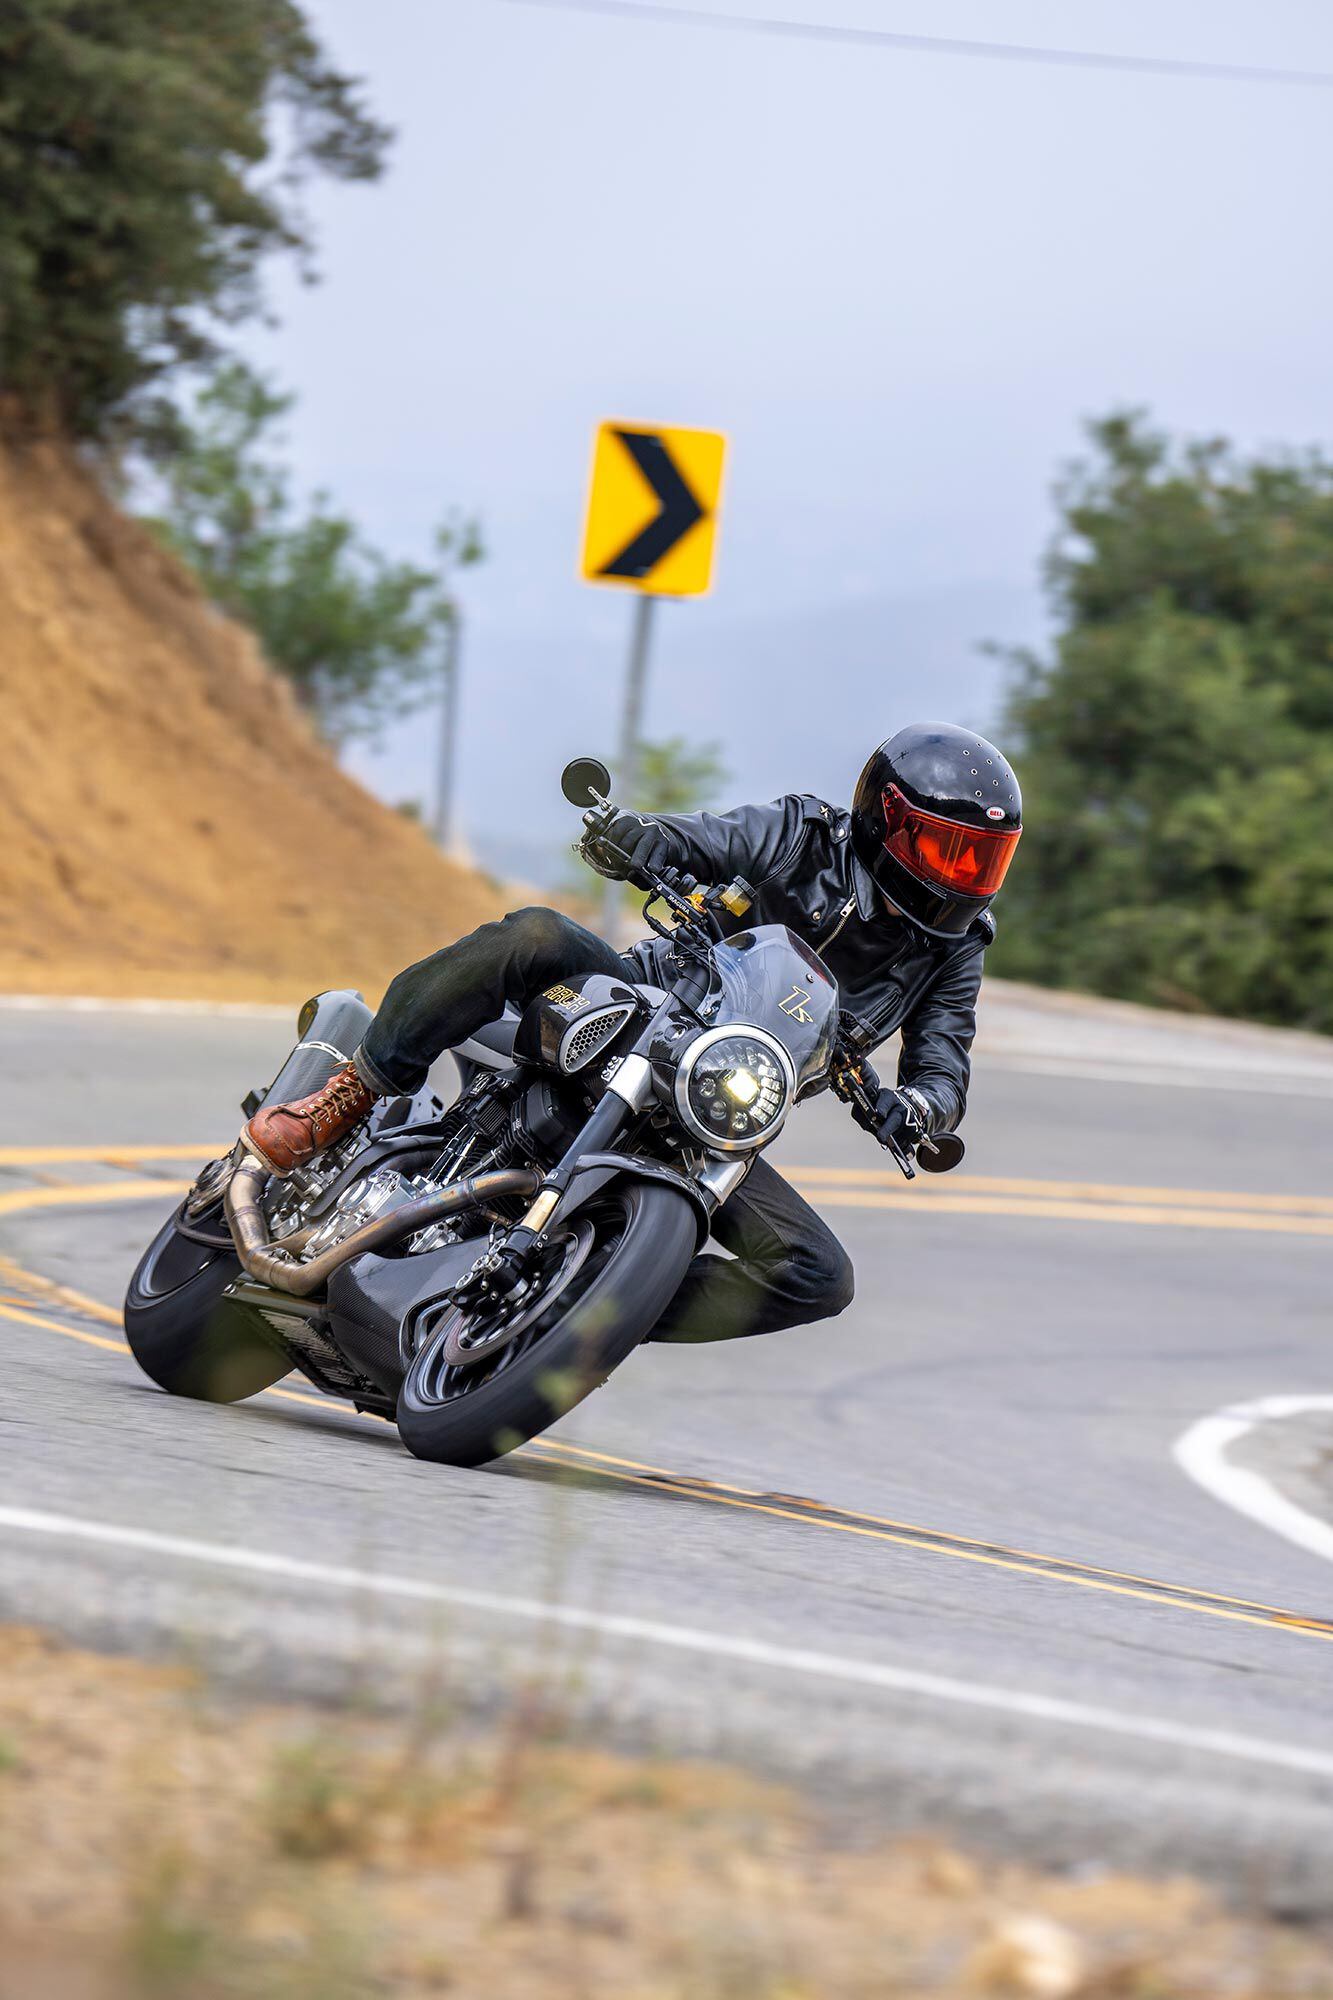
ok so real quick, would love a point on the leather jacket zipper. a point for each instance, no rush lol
(842, 916)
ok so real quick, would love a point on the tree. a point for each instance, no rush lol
(151, 153)
(671, 776)
(360, 637)
(675, 776)
(1176, 749)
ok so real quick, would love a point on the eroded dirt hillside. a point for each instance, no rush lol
(168, 825)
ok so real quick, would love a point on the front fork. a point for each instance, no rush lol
(627, 1095)
(504, 1267)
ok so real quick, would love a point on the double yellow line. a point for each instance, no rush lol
(580, 1461)
(1067, 1201)
(29, 1300)
(831, 1187)
(55, 1193)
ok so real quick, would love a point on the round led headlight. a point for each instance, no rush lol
(733, 1088)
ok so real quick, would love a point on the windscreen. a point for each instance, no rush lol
(769, 979)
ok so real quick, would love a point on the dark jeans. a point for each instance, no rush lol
(787, 1267)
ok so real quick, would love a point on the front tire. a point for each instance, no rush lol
(646, 1236)
(182, 1332)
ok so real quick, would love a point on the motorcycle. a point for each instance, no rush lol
(471, 1271)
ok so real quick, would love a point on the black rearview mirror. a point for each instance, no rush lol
(585, 782)
(942, 1154)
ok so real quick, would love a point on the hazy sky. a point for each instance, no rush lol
(898, 281)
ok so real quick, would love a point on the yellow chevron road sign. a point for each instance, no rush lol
(651, 523)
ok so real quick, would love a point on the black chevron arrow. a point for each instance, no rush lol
(679, 510)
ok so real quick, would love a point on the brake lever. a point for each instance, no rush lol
(857, 1084)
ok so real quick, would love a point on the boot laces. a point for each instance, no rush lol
(343, 1096)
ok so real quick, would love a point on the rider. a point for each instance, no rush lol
(894, 895)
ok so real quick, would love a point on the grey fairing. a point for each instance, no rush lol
(492, 1047)
(374, 1300)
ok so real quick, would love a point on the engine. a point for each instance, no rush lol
(497, 1122)
(293, 1203)
(365, 1201)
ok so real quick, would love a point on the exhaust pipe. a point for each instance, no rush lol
(275, 1266)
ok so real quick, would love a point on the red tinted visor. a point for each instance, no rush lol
(970, 860)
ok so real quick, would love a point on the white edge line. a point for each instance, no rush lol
(1201, 1453)
(89, 1003)
(683, 1638)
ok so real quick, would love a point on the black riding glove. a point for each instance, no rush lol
(642, 843)
(904, 1116)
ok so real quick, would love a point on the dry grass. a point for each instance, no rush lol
(160, 1843)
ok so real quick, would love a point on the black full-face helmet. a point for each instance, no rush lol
(935, 820)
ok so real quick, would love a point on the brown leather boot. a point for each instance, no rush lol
(287, 1135)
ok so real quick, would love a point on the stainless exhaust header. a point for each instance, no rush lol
(273, 1265)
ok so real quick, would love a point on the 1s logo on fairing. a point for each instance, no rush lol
(794, 1004)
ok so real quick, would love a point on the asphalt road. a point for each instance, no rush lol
(1010, 1615)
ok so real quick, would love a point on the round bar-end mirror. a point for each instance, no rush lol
(585, 782)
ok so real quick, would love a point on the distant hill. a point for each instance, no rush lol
(168, 824)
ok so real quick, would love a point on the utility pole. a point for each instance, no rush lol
(444, 829)
(631, 733)
(458, 545)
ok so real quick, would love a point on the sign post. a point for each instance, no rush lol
(631, 715)
(650, 527)
(444, 829)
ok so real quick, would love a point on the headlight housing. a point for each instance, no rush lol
(734, 1088)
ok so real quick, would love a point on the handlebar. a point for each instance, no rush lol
(856, 1082)
(693, 904)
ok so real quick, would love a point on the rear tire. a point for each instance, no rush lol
(182, 1332)
(647, 1238)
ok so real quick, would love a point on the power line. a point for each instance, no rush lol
(939, 45)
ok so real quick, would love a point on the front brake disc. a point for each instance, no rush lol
(472, 1337)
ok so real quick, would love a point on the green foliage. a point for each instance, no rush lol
(672, 776)
(150, 156)
(359, 636)
(1176, 751)
(675, 776)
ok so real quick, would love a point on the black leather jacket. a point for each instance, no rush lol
(797, 855)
